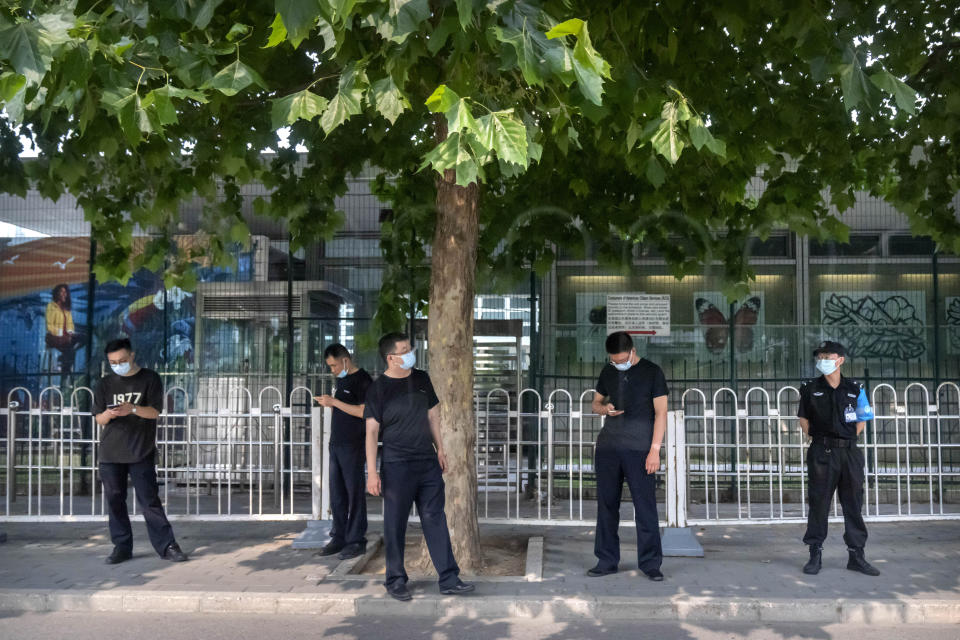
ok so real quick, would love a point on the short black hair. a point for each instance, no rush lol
(336, 350)
(619, 341)
(388, 343)
(117, 345)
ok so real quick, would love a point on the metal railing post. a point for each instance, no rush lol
(678, 538)
(11, 451)
(277, 455)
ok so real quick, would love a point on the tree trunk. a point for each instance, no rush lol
(450, 336)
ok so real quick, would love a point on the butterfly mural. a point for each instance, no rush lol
(717, 325)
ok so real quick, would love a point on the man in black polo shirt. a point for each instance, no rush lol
(347, 434)
(403, 404)
(126, 404)
(833, 412)
(632, 394)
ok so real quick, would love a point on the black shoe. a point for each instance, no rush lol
(859, 563)
(400, 592)
(654, 574)
(331, 548)
(597, 572)
(118, 555)
(458, 589)
(174, 553)
(353, 550)
(812, 567)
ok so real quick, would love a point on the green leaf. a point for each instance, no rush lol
(278, 33)
(205, 13)
(905, 97)
(571, 27)
(527, 57)
(442, 99)
(162, 106)
(465, 12)
(407, 16)
(854, 83)
(633, 134)
(299, 18)
(699, 134)
(588, 65)
(666, 141)
(655, 173)
(237, 30)
(387, 99)
(444, 155)
(30, 46)
(239, 232)
(234, 78)
(503, 133)
(347, 101)
(341, 9)
(301, 105)
(10, 85)
(580, 187)
(459, 117)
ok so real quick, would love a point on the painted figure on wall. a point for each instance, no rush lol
(61, 334)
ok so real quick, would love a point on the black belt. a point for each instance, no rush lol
(835, 443)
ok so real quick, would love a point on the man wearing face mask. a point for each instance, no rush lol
(126, 405)
(833, 412)
(347, 435)
(403, 404)
(632, 393)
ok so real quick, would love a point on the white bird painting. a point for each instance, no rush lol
(63, 265)
(10, 261)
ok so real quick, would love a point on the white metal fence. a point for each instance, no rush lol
(230, 454)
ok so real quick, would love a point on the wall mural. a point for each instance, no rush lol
(878, 324)
(712, 312)
(44, 307)
(953, 324)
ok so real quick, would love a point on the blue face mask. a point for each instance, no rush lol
(343, 373)
(826, 367)
(623, 366)
(121, 369)
(409, 359)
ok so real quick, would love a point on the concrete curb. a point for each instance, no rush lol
(680, 608)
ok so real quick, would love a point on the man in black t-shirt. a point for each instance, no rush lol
(347, 434)
(126, 405)
(403, 404)
(632, 394)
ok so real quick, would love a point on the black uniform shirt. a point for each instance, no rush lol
(129, 438)
(400, 405)
(350, 389)
(632, 391)
(828, 410)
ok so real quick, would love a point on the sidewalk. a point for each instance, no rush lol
(750, 573)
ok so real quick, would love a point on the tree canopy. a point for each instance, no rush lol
(641, 122)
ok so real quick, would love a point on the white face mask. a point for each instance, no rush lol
(826, 367)
(408, 360)
(121, 369)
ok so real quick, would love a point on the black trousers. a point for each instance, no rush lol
(832, 469)
(404, 484)
(348, 493)
(143, 474)
(612, 467)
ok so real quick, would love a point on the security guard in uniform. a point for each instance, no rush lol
(833, 412)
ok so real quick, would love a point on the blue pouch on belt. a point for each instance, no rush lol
(864, 410)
